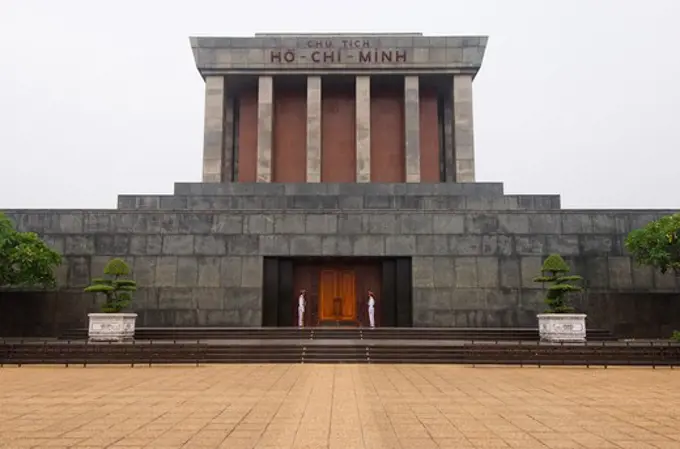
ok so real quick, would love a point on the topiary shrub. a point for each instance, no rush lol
(118, 291)
(555, 271)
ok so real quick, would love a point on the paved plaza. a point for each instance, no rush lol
(339, 406)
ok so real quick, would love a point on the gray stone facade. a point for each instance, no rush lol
(463, 134)
(313, 173)
(412, 128)
(363, 128)
(198, 254)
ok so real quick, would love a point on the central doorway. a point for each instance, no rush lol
(337, 290)
(337, 296)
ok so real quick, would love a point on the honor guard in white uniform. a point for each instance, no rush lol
(371, 309)
(302, 302)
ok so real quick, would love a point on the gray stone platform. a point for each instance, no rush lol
(342, 197)
(471, 267)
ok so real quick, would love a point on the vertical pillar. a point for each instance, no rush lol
(313, 129)
(448, 163)
(214, 128)
(265, 113)
(463, 134)
(363, 128)
(412, 128)
(229, 152)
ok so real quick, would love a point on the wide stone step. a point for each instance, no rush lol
(530, 334)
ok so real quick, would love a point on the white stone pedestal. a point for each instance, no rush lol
(116, 327)
(558, 327)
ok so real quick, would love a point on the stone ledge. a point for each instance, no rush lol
(301, 40)
(434, 53)
(407, 189)
(328, 202)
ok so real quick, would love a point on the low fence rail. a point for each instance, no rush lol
(79, 353)
(590, 354)
(68, 353)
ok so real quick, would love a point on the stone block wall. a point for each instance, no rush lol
(198, 255)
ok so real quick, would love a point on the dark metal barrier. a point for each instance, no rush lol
(214, 351)
(84, 353)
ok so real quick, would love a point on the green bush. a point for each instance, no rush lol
(25, 260)
(676, 336)
(118, 291)
(657, 244)
(555, 271)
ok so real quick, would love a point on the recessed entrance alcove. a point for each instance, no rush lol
(337, 290)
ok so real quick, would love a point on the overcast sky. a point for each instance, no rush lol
(577, 97)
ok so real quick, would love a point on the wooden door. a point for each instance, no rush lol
(337, 295)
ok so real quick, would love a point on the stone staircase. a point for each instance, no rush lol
(151, 353)
(200, 345)
(337, 333)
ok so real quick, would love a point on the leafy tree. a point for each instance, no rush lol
(555, 271)
(118, 291)
(657, 244)
(676, 336)
(25, 260)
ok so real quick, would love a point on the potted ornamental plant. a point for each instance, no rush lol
(112, 324)
(559, 323)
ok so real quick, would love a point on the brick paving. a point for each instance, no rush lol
(339, 406)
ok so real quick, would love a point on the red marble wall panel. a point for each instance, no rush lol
(429, 137)
(338, 141)
(388, 163)
(289, 149)
(247, 135)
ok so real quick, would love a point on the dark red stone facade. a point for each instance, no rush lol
(289, 146)
(429, 137)
(247, 135)
(338, 142)
(388, 155)
(338, 134)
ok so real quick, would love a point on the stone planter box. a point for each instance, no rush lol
(562, 327)
(117, 327)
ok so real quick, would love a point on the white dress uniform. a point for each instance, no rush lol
(301, 311)
(371, 310)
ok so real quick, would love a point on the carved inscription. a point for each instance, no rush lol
(350, 51)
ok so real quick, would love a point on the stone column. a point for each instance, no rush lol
(463, 135)
(213, 128)
(412, 128)
(313, 129)
(229, 161)
(265, 114)
(448, 164)
(363, 128)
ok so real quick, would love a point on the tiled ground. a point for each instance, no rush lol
(339, 406)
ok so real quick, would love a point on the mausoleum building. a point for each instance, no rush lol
(339, 165)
